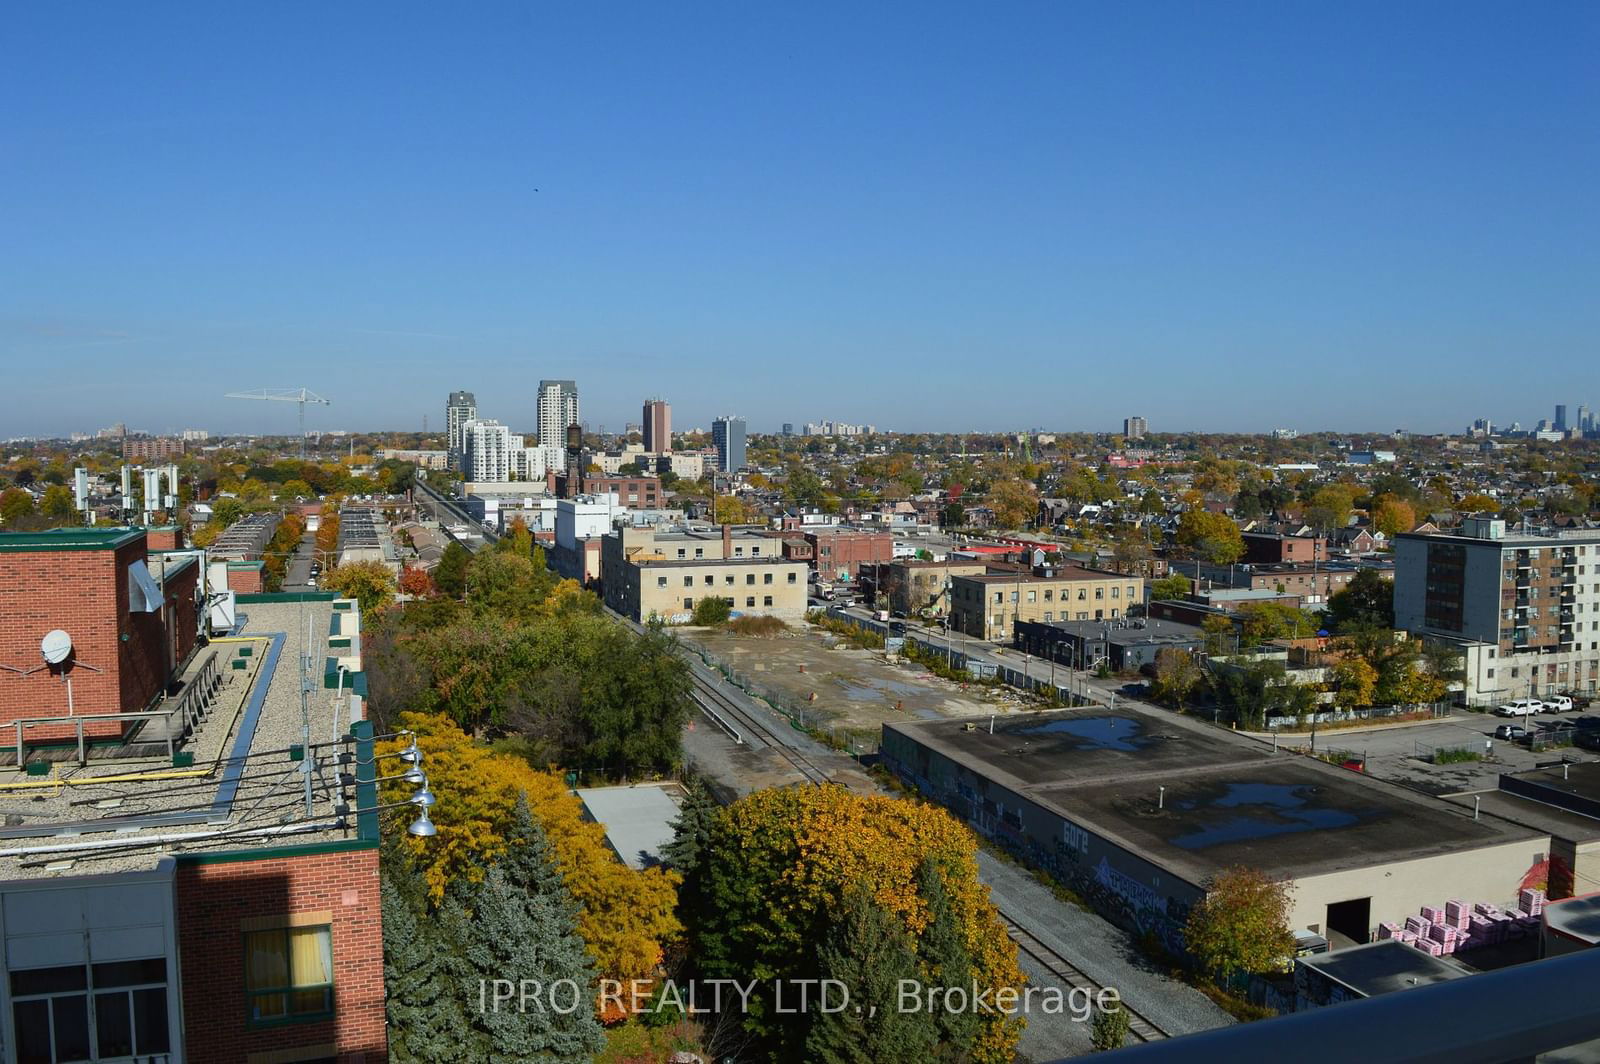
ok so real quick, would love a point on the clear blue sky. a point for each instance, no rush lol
(948, 216)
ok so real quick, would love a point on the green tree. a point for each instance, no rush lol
(424, 1005)
(15, 504)
(58, 506)
(1211, 537)
(1108, 1029)
(1015, 503)
(1329, 507)
(711, 612)
(692, 830)
(507, 586)
(1367, 601)
(371, 584)
(946, 959)
(1177, 675)
(1354, 682)
(1175, 586)
(1241, 926)
(450, 575)
(869, 951)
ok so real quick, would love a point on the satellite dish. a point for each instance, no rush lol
(56, 646)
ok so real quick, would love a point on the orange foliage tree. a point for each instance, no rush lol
(416, 582)
(627, 917)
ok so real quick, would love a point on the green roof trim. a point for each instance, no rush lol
(273, 853)
(286, 596)
(245, 565)
(68, 539)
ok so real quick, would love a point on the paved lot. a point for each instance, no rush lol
(1399, 753)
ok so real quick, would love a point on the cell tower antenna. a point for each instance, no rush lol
(302, 396)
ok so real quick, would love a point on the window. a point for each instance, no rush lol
(767, 601)
(750, 600)
(661, 581)
(1132, 593)
(53, 1020)
(1032, 595)
(738, 552)
(288, 973)
(1113, 613)
(1081, 594)
(1013, 596)
(688, 603)
(688, 581)
(727, 578)
(1489, 673)
(1099, 593)
(791, 578)
(999, 596)
(680, 552)
(766, 578)
(749, 578)
(699, 552)
(1116, 592)
(1099, 615)
(1047, 594)
(1049, 615)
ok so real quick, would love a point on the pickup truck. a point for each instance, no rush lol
(1522, 707)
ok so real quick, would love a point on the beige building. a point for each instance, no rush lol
(647, 574)
(986, 605)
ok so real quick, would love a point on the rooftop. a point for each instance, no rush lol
(1384, 967)
(1136, 630)
(1577, 918)
(1066, 571)
(638, 820)
(77, 538)
(1228, 800)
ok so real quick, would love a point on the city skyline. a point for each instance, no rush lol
(1109, 205)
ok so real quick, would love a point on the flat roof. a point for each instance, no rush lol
(1375, 968)
(1228, 800)
(1124, 632)
(638, 820)
(75, 538)
(1066, 571)
(1577, 917)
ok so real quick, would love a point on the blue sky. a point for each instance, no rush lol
(1223, 216)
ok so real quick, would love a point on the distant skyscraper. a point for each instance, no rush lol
(788, 428)
(459, 409)
(727, 433)
(558, 408)
(1561, 417)
(1134, 428)
(657, 426)
(1584, 424)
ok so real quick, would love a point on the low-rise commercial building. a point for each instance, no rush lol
(914, 588)
(646, 573)
(988, 605)
(1128, 644)
(839, 553)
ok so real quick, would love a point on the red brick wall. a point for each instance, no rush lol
(214, 901)
(169, 537)
(849, 551)
(245, 581)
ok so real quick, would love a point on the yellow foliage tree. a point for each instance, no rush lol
(783, 860)
(627, 916)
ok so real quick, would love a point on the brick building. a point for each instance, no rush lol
(636, 493)
(988, 605)
(1273, 548)
(151, 449)
(177, 922)
(839, 553)
(132, 617)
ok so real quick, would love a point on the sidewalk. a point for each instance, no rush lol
(1361, 729)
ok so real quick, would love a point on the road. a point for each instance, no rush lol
(297, 574)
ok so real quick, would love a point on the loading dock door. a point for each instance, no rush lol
(1352, 919)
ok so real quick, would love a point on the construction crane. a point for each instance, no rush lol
(286, 395)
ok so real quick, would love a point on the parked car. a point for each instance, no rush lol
(1513, 733)
(1558, 703)
(1522, 707)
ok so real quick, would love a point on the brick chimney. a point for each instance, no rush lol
(727, 541)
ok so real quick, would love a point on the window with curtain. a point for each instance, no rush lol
(289, 973)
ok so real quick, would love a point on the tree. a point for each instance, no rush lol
(731, 510)
(371, 584)
(1177, 675)
(58, 506)
(626, 916)
(1329, 507)
(1264, 621)
(1211, 537)
(1477, 502)
(1241, 925)
(15, 504)
(1354, 682)
(517, 539)
(1015, 502)
(1131, 552)
(1108, 1029)
(423, 1004)
(450, 575)
(1367, 601)
(870, 952)
(711, 612)
(692, 830)
(1175, 586)
(946, 957)
(416, 582)
(1392, 516)
(781, 863)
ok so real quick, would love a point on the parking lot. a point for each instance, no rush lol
(1400, 753)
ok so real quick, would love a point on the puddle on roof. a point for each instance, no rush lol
(1272, 809)
(1096, 733)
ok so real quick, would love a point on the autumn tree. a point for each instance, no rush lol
(517, 539)
(1241, 926)
(1015, 502)
(58, 506)
(15, 505)
(711, 612)
(1391, 516)
(781, 866)
(1108, 1028)
(1174, 586)
(1354, 682)
(416, 582)
(1210, 537)
(626, 916)
(1177, 676)
(1329, 506)
(371, 584)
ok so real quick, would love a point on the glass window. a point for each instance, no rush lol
(699, 552)
(288, 973)
(1116, 592)
(755, 552)
(688, 581)
(688, 603)
(791, 578)
(767, 601)
(766, 578)
(710, 580)
(749, 578)
(51, 1015)
(750, 600)
(727, 578)
(661, 581)
(738, 552)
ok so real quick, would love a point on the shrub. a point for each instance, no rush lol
(765, 627)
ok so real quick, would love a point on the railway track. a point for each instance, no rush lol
(1073, 976)
(723, 707)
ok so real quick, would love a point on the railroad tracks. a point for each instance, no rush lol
(725, 711)
(1073, 976)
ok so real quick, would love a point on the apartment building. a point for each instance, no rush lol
(459, 409)
(728, 436)
(1524, 608)
(558, 408)
(151, 449)
(909, 587)
(645, 573)
(657, 426)
(987, 605)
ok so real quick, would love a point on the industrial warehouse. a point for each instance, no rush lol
(1137, 810)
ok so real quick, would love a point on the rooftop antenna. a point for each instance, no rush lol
(301, 396)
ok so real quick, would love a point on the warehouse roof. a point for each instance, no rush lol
(1383, 967)
(1195, 799)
